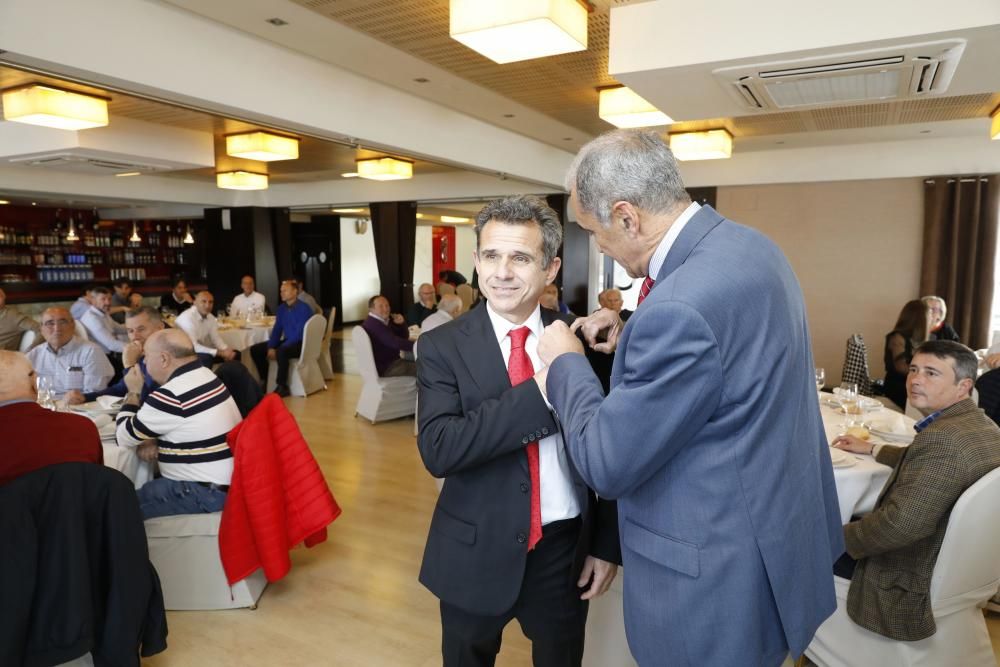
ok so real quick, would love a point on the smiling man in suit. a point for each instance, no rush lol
(516, 533)
(710, 437)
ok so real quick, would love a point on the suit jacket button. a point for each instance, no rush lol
(525, 440)
(524, 487)
(545, 430)
(538, 434)
(522, 538)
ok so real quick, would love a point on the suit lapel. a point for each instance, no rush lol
(481, 353)
(704, 221)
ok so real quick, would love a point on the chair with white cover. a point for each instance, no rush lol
(304, 374)
(81, 330)
(325, 362)
(467, 295)
(966, 576)
(184, 549)
(28, 339)
(381, 398)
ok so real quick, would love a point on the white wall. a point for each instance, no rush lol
(358, 270)
(423, 265)
(465, 246)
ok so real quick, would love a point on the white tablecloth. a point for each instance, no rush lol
(242, 339)
(859, 485)
(122, 459)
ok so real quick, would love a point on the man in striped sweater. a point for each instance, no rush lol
(189, 415)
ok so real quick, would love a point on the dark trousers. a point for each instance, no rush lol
(285, 352)
(548, 609)
(208, 360)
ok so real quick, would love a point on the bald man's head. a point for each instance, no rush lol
(166, 351)
(17, 377)
(451, 304)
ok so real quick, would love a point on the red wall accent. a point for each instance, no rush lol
(443, 250)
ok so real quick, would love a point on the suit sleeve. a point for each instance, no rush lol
(453, 440)
(923, 493)
(670, 386)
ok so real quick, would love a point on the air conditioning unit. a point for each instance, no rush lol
(909, 71)
(80, 163)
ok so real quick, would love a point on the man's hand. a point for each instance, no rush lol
(74, 397)
(148, 451)
(599, 573)
(993, 360)
(228, 355)
(540, 378)
(851, 444)
(557, 339)
(604, 320)
(272, 354)
(131, 354)
(398, 319)
(134, 380)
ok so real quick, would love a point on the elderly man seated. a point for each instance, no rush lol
(189, 415)
(103, 330)
(611, 299)
(389, 336)
(425, 306)
(69, 362)
(285, 342)
(34, 437)
(201, 325)
(891, 552)
(140, 324)
(13, 324)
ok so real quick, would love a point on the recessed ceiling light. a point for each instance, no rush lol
(925, 131)
(567, 138)
(421, 79)
(129, 173)
(350, 174)
(508, 115)
(3, 201)
(277, 21)
(779, 142)
(34, 203)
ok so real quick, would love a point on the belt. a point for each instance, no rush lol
(213, 485)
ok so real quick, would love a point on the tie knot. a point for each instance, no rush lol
(518, 336)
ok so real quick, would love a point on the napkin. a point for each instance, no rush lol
(110, 402)
(101, 420)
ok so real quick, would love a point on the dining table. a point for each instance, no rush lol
(123, 459)
(241, 336)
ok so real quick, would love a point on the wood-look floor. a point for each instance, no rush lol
(353, 601)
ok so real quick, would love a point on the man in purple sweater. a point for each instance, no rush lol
(389, 337)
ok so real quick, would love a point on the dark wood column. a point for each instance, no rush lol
(246, 240)
(394, 226)
(575, 253)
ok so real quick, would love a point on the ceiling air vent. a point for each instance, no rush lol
(87, 165)
(900, 72)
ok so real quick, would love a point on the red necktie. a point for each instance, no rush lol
(519, 369)
(647, 285)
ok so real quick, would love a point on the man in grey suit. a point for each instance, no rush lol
(710, 437)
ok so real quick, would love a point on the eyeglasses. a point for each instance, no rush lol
(51, 324)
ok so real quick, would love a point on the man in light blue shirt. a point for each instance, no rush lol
(108, 334)
(68, 361)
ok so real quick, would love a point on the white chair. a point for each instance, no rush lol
(381, 398)
(325, 363)
(304, 374)
(966, 575)
(28, 339)
(467, 295)
(184, 549)
(81, 330)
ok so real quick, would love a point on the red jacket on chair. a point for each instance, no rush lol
(277, 496)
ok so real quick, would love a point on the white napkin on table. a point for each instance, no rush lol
(110, 402)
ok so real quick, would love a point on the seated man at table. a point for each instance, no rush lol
(178, 299)
(307, 299)
(201, 325)
(247, 299)
(189, 415)
(425, 306)
(891, 552)
(611, 299)
(67, 360)
(13, 324)
(120, 300)
(140, 324)
(103, 330)
(389, 336)
(285, 342)
(82, 303)
(34, 437)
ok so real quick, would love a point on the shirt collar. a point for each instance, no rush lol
(660, 256)
(926, 421)
(385, 321)
(68, 347)
(186, 368)
(503, 326)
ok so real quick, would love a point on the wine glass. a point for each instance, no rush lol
(44, 386)
(820, 379)
(847, 395)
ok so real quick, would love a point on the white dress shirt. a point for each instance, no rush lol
(108, 334)
(241, 304)
(660, 256)
(203, 331)
(557, 497)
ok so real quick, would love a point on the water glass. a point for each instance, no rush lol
(45, 396)
(820, 379)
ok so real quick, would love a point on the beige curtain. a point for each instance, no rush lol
(959, 250)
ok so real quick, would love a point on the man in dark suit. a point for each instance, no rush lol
(516, 533)
(891, 552)
(711, 437)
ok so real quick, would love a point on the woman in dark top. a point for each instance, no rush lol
(912, 328)
(938, 312)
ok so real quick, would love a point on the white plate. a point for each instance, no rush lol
(93, 408)
(842, 459)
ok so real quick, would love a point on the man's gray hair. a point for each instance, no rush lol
(152, 313)
(635, 166)
(520, 210)
(962, 358)
(451, 304)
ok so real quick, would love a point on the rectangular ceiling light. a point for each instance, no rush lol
(622, 107)
(347, 210)
(385, 169)
(241, 180)
(995, 128)
(454, 219)
(507, 31)
(262, 146)
(36, 104)
(710, 145)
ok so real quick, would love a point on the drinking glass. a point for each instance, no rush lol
(847, 395)
(820, 379)
(45, 398)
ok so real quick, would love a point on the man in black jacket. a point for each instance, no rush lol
(516, 533)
